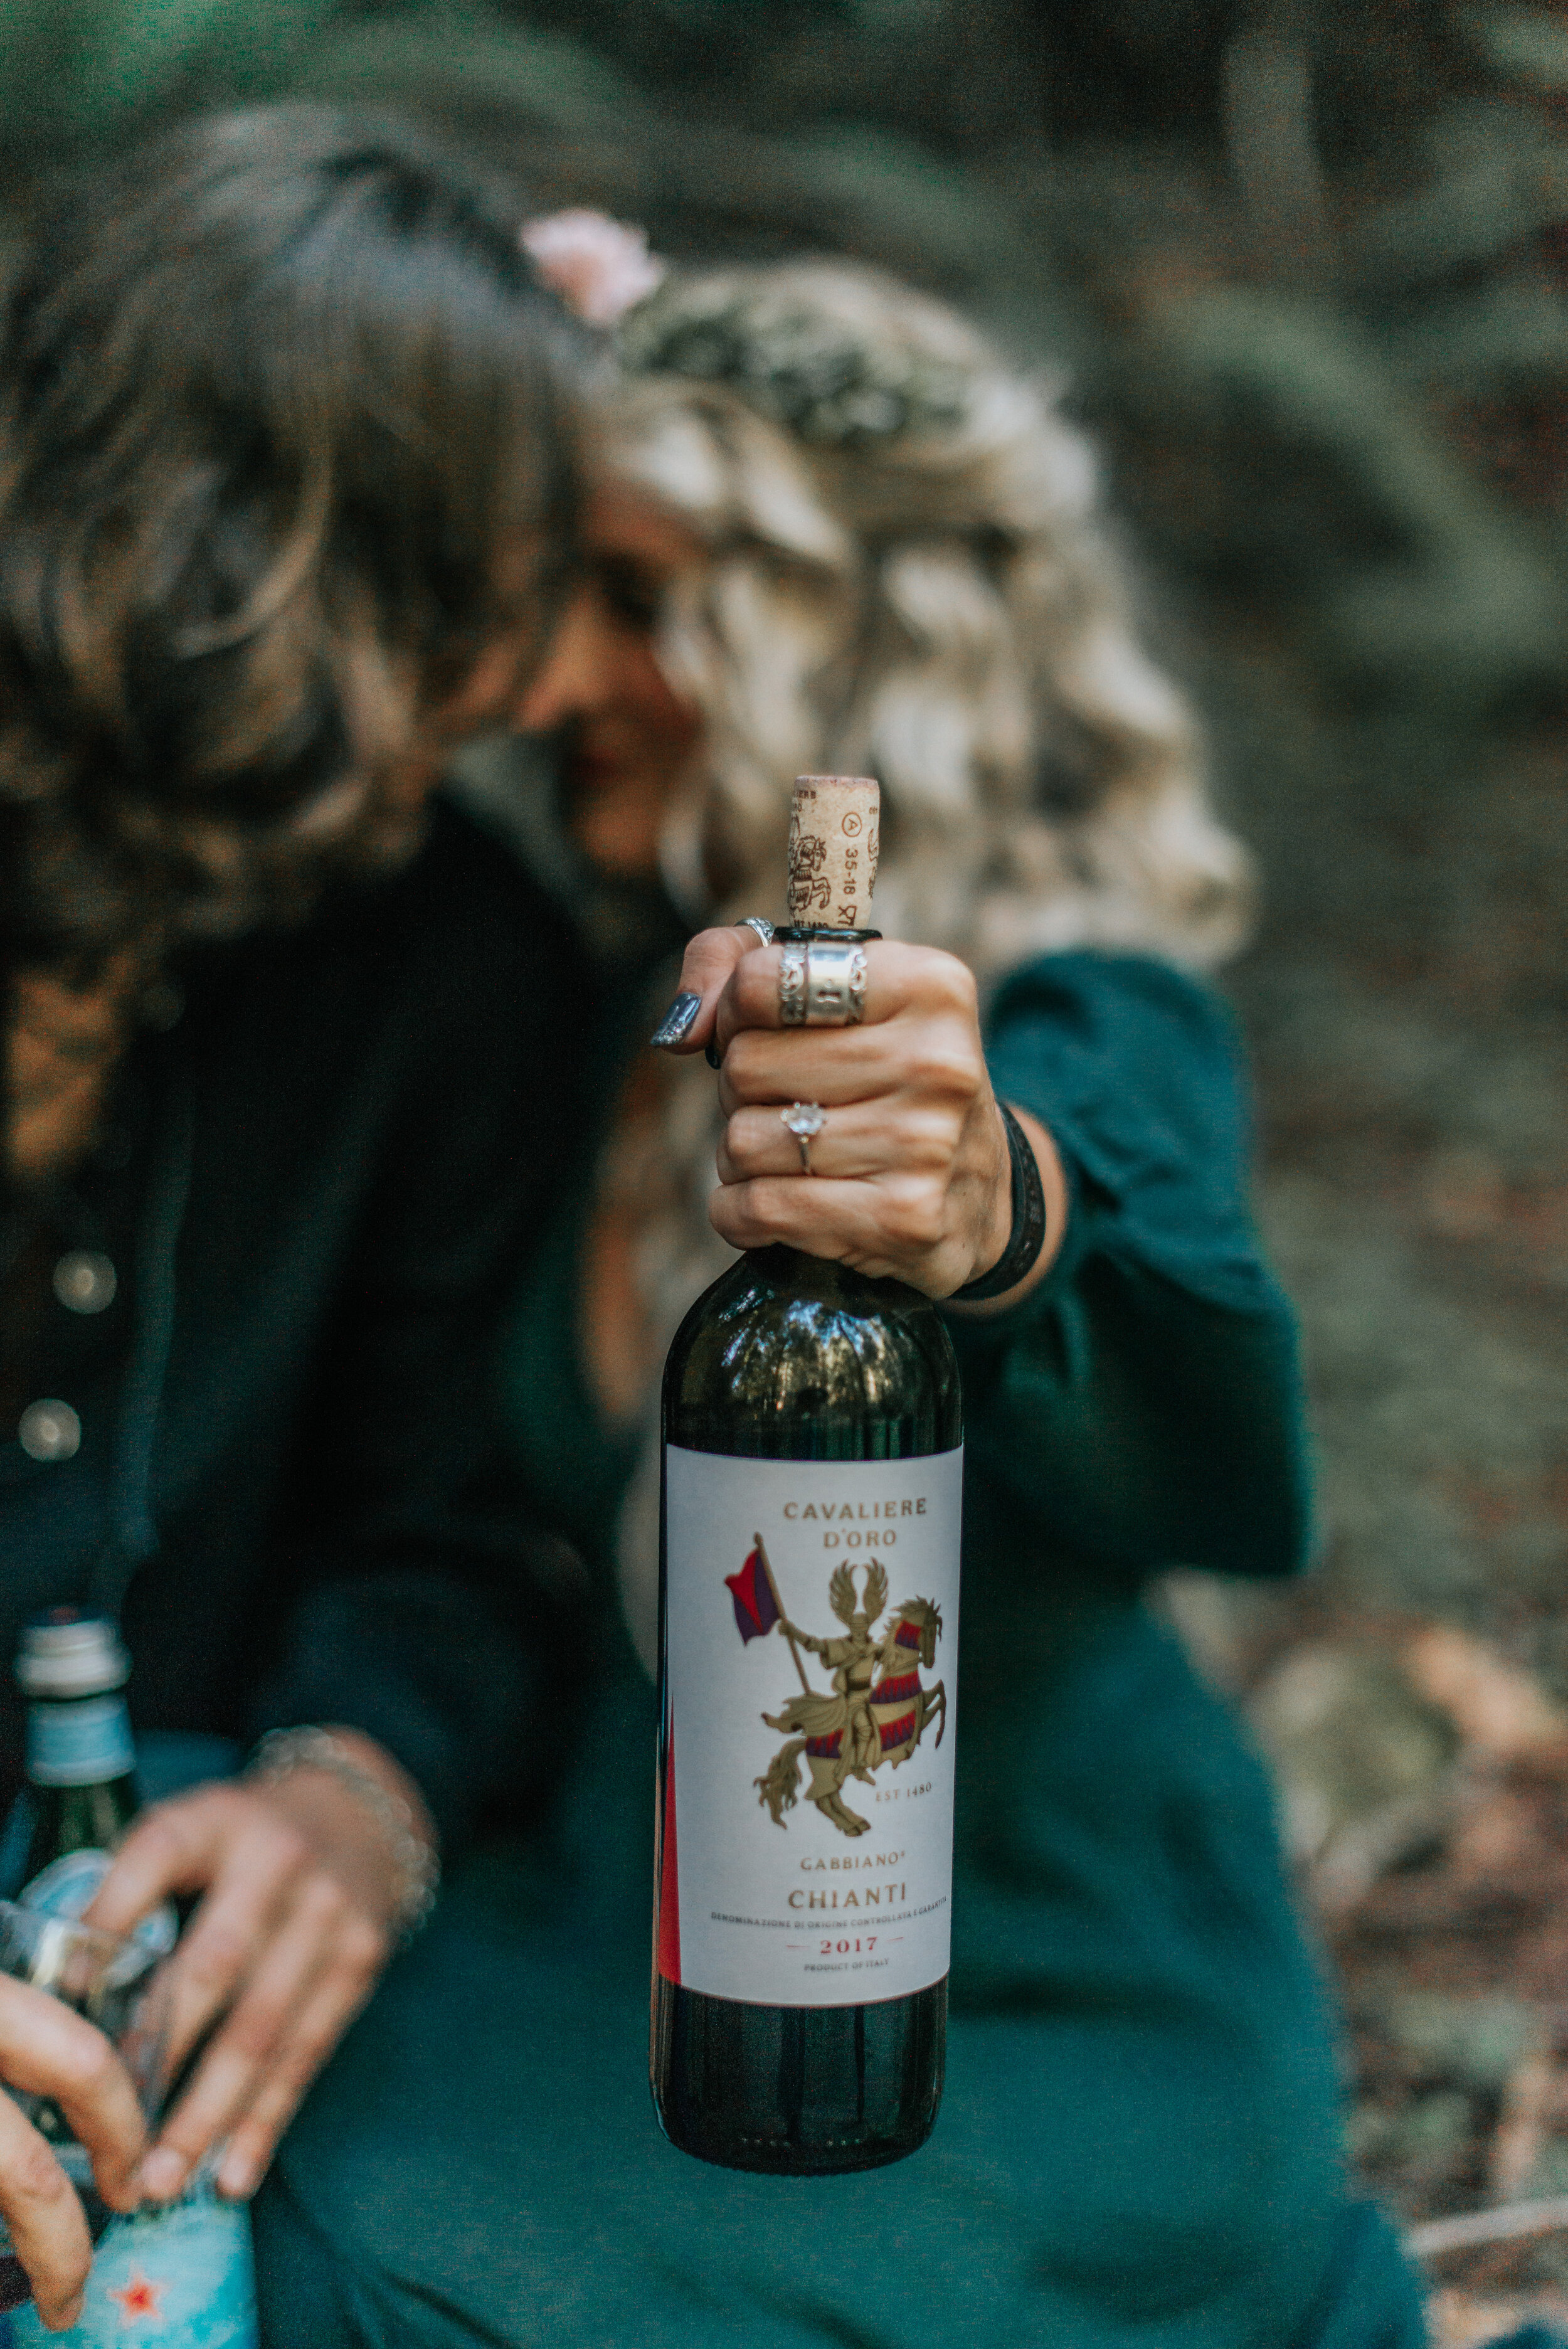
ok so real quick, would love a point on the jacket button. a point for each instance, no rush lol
(85, 1283)
(49, 1430)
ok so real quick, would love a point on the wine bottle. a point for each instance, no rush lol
(180, 2273)
(809, 1633)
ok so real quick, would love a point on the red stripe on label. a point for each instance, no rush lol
(895, 1691)
(669, 1929)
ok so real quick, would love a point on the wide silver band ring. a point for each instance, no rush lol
(822, 984)
(757, 922)
(804, 1120)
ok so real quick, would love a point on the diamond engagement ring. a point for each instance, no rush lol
(804, 1119)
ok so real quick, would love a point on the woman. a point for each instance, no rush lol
(285, 481)
(878, 547)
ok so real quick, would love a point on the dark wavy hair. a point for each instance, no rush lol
(280, 400)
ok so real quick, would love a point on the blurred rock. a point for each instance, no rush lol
(1363, 1759)
(1500, 1710)
(1475, 2044)
(1517, 2163)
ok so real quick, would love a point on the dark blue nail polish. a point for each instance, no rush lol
(676, 1024)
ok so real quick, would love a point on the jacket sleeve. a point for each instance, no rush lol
(1142, 1408)
(423, 1604)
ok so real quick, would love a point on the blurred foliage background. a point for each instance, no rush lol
(1302, 267)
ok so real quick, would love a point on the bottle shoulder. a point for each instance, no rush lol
(792, 1356)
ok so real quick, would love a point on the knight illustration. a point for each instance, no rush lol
(878, 1709)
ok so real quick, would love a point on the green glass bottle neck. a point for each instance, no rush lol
(77, 1743)
(81, 1773)
(79, 1818)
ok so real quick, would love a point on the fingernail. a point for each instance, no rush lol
(63, 2320)
(237, 2179)
(676, 1024)
(162, 2174)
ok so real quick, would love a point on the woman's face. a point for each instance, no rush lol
(626, 735)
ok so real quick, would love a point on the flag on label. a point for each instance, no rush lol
(752, 1591)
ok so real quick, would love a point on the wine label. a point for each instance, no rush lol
(81, 1744)
(811, 1656)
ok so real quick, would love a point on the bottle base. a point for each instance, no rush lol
(780, 2158)
(797, 2092)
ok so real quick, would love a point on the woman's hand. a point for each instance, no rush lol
(48, 2051)
(911, 1175)
(299, 1891)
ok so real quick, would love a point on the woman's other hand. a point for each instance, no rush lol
(300, 1892)
(48, 2051)
(911, 1175)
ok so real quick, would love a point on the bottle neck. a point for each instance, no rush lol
(79, 1741)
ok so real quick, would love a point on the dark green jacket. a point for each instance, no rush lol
(317, 1188)
(1139, 2143)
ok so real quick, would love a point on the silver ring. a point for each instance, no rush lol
(803, 1119)
(835, 983)
(822, 984)
(792, 985)
(756, 922)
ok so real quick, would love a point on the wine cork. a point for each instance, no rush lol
(833, 843)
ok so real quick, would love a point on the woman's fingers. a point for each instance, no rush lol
(859, 1140)
(706, 968)
(899, 978)
(45, 2050)
(729, 984)
(257, 2027)
(938, 1061)
(248, 1858)
(298, 1886)
(909, 1173)
(900, 1226)
(315, 2033)
(47, 2227)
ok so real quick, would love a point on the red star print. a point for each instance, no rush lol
(138, 2298)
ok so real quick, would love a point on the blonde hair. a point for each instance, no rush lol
(905, 578)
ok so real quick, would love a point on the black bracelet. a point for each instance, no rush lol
(1027, 1236)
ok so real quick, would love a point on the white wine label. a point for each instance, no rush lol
(81, 1744)
(811, 1629)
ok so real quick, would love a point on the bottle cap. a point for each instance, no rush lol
(67, 1653)
(833, 844)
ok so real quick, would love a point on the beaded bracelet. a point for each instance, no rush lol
(1027, 1236)
(282, 1751)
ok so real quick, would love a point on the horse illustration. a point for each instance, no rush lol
(878, 1710)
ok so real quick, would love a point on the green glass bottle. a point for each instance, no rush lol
(808, 1590)
(181, 2272)
(81, 1759)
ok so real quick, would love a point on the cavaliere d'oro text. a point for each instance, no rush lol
(870, 1516)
